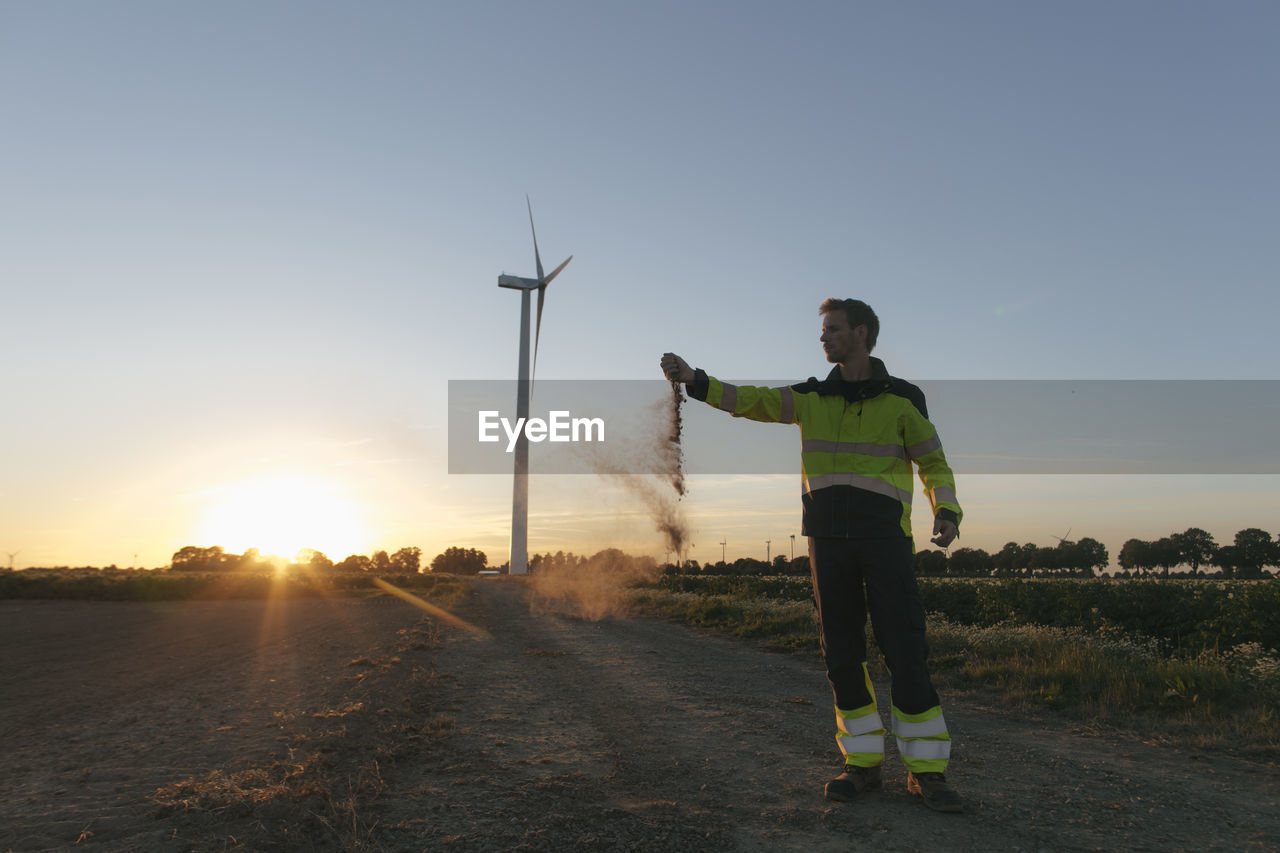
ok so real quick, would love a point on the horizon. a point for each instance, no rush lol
(280, 562)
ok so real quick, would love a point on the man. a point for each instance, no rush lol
(861, 430)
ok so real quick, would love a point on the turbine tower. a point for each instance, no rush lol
(519, 564)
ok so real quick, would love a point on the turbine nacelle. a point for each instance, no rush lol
(515, 282)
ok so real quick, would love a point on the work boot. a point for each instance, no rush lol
(935, 791)
(852, 782)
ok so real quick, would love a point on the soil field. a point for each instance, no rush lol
(364, 724)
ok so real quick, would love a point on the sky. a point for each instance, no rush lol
(245, 246)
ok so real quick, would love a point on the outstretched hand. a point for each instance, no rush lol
(945, 532)
(676, 368)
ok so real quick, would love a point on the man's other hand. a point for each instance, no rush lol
(676, 368)
(945, 532)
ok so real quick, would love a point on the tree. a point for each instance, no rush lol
(381, 562)
(1164, 553)
(1008, 560)
(969, 563)
(749, 566)
(1135, 555)
(314, 560)
(1228, 559)
(1195, 547)
(1087, 556)
(407, 561)
(1045, 561)
(930, 563)
(355, 563)
(1254, 549)
(1028, 557)
(459, 561)
(193, 559)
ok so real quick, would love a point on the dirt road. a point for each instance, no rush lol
(360, 724)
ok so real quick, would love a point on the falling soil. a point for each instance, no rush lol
(667, 515)
(674, 449)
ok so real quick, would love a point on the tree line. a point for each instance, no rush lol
(1191, 553)
(458, 561)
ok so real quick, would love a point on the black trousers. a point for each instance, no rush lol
(856, 577)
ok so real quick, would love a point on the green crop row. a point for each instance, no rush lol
(1182, 616)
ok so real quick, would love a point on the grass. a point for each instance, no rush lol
(1215, 699)
(777, 623)
(1212, 700)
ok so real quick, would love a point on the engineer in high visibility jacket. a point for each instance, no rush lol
(861, 430)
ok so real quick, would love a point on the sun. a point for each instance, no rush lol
(282, 515)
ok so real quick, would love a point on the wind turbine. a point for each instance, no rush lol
(519, 564)
(1063, 540)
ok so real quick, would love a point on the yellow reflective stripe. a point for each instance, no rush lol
(924, 749)
(728, 397)
(865, 448)
(788, 405)
(858, 481)
(920, 448)
(862, 725)
(863, 744)
(944, 495)
(926, 728)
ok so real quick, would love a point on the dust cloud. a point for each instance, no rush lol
(593, 588)
(657, 449)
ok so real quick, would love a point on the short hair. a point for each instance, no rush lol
(857, 313)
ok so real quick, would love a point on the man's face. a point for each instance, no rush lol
(840, 341)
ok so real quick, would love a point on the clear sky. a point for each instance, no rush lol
(245, 245)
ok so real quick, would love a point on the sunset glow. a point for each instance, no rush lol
(282, 515)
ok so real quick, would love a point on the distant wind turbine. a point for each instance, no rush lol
(1063, 540)
(520, 492)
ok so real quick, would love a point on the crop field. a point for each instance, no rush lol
(1178, 658)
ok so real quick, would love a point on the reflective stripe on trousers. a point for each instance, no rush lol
(860, 735)
(923, 740)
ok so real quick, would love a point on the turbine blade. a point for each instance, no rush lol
(542, 295)
(556, 271)
(537, 332)
(536, 257)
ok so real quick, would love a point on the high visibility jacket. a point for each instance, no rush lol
(858, 442)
